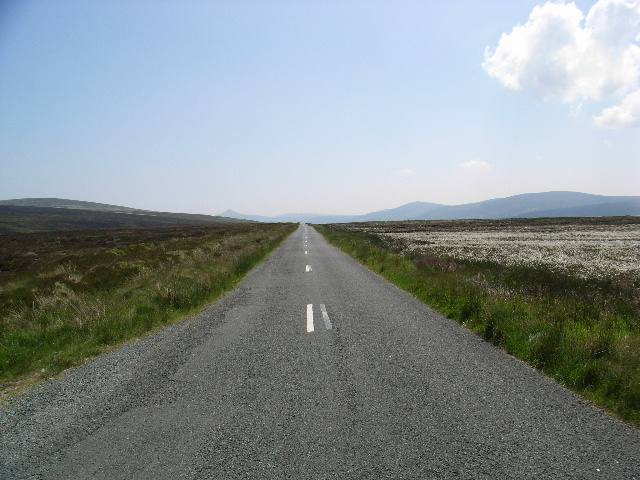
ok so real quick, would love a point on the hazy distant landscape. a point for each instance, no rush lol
(54, 214)
(529, 205)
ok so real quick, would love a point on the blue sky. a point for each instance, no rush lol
(270, 106)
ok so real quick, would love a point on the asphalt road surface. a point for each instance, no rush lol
(313, 368)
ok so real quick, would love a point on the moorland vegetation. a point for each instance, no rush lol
(68, 296)
(42, 218)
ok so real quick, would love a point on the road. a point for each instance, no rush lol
(313, 368)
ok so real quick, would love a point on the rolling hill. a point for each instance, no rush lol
(28, 215)
(547, 204)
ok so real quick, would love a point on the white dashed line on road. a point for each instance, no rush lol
(308, 268)
(309, 318)
(325, 316)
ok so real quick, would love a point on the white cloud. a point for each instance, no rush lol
(405, 172)
(476, 165)
(627, 114)
(560, 53)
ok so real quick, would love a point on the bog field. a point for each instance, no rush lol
(68, 296)
(560, 293)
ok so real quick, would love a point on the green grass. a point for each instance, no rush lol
(585, 333)
(66, 297)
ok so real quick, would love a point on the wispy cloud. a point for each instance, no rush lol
(561, 53)
(477, 165)
(405, 173)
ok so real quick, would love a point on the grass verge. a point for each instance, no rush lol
(67, 297)
(585, 333)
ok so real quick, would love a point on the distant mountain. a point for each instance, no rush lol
(547, 204)
(612, 209)
(240, 216)
(410, 211)
(29, 215)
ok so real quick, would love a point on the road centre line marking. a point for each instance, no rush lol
(305, 252)
(325, 316)
(309, 317)
(308, 268)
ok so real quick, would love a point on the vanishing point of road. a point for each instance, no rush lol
(313, 368)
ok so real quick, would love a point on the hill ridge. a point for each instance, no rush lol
(544, 204)
(77, 215)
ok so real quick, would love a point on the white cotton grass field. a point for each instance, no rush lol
(588, 251)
